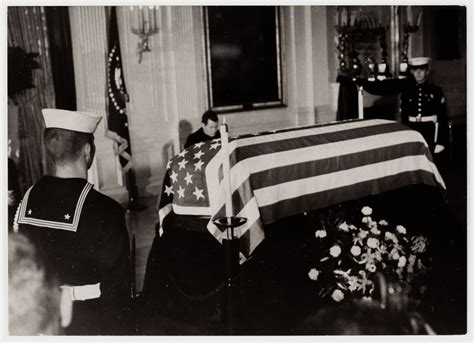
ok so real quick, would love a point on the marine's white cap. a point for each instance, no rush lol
(71, 120)
(419, 61)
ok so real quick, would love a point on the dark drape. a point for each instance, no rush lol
(347, 106)
(59, 35)
(27, 30)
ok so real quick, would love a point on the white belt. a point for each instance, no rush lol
(84, 292)
(433, 118)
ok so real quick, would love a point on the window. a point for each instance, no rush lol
(243, 57)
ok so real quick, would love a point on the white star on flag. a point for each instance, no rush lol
(214, 146)
(67, 216)
(181, 192)
(198, 145)
(168, 190)
(182, 164)
(168, 165)
(188, 178)
(174, 176)
(182, 153)
(197, 166)
(198, 193)
(198, 155)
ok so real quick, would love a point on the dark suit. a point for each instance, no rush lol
(83, 236)
(199, 136)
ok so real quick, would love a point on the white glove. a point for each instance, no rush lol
(438, 148)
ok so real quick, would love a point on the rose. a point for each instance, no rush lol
(402, 261)
(401, 229)
(335, 251)
(313, 274)
(320, 233)
(372, 242)
(355, 250)
(366, 210)
(337, 295)
(371, 268)
(344, 227)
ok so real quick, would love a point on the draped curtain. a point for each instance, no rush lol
(27, 29)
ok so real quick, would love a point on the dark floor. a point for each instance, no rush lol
(202, 313)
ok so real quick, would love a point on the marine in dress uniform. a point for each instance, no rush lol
(82, 232)
(423, 105)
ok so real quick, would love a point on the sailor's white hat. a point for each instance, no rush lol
(419, 61)
(71, 120)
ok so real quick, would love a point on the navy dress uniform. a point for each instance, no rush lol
(422, 104)
(83, 235)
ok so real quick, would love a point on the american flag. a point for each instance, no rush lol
(117, 97)
(283, 173)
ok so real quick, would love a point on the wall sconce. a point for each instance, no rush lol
(143, 24)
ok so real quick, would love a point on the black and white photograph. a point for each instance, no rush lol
(290, 170)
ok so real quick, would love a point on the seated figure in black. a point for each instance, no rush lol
(207, 131)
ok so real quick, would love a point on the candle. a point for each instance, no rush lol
(146, 19)
(226, 171)
(418, 19)
(132, 17)
(140, 18)
(409, 16)
(360, 102)
(153, 17)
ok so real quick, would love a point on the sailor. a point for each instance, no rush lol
(423, 105)
(81, 232)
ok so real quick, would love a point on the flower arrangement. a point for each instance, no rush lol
(352, 256)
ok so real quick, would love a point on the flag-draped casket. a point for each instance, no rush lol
(283, 173)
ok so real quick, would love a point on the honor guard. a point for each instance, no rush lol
(422, 104)
(81, 232)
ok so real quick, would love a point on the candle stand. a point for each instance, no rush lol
(232, 312)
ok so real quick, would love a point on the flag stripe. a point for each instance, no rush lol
(291, 144)
(372, 172)
(355, 191)
(329, 165)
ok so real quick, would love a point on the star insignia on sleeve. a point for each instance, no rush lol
(181, 192)
(214, 146)
(198, 193)
(197, 166)
(198, 145)
(198, 154)
(182, 164)
(174, 176)
(168, 190)
(182, 153)
(188, 178)
(67, 216)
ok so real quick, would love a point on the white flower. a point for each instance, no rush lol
(366, 210)
(383, 222)
(363, 234)
(390, 236)
(402, 261)
(313, 274)
(365, 219)
(372, 242)
(395, 255)
(320, 233)
(371, 268)
(353, 227)
(344, 227)
(419, 245)
(401, 229)
(337, 295)
(335, 251)
(355, 250)
(375, 231)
